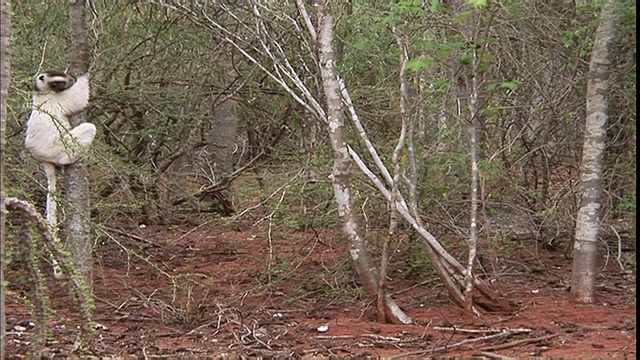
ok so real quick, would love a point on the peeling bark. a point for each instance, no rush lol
(585, 254)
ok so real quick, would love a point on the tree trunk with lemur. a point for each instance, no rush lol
(76, 175)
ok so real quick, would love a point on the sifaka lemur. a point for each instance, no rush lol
(50, 137)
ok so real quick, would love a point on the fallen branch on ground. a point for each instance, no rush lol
(517, 343)
(502, 334)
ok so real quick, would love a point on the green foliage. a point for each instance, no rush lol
(503, 248)
(628, 203)
(413, 262)
(154, 91)
(436, 6)
(511, 85)
(420, 64)
(488, 169)
(477, 3)
(403, 8)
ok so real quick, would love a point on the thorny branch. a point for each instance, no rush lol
(80, 287)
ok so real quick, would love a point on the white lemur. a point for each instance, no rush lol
(50, 137)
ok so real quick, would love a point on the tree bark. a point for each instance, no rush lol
(585, 254)
(221, 138)
(342, 164)
(474, 142)
(5, 22)
(76, 176)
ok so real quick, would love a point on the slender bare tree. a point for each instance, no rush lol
(292, 78)
(585, 254)
(5, 22)
(341, 173)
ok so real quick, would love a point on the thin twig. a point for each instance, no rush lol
(131, 236)
(495, 356)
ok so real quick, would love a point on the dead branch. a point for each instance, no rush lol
(518, 342)
(502, 334)
(480, 331)
(131, 236)
(495, 356)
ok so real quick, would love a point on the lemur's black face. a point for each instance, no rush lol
(53, 80)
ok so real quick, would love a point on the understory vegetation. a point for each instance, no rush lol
(164, 87)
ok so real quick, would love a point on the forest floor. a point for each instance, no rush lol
(241, 289)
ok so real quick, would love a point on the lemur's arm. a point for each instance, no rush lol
(76, 97)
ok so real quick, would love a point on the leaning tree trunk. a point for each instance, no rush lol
(76, 176)
(5, 21)
(583, 274)
(342, 164)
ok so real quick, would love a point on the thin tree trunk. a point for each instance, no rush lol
(585, 254)
(342, 165)
(473, 150)
(5, 22)
(78, 210)
(284, 74)
(405, 112)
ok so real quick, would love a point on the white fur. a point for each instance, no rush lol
(50, 137)
(49, 134)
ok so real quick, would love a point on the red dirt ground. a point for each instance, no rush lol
(245, 290)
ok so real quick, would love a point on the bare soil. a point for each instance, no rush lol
(258, 290)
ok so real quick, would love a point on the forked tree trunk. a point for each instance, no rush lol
(585, 254)
(5, 22)
(342, 166)
(76, 175)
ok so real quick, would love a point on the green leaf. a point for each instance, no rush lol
(422, 63)
(363, 44)
(467, 57)
(511, 85)
(436, 6)
(477, 3)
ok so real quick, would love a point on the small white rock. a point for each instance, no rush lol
(323, 329)
(535, 291)
(277, 316)
(19, 328)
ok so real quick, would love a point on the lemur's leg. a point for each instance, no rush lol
(81, 138)
(84, 134)
(52, 209)
(50, 173)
